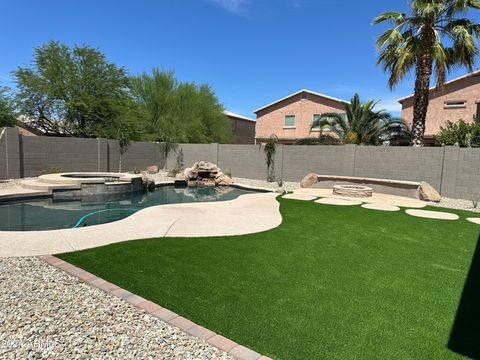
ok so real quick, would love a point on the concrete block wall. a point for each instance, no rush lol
(461, 177)
(400, 163)
(248, 161)
(325, 160)
(455, 172)
(71, 154)
(10, 154)
(188, 154)
(138, 156)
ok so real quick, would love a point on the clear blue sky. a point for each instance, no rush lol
(252, 52)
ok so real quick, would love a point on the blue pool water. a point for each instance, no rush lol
(48, 214)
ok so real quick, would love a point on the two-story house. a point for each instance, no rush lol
(458, 99)
(291, 117)
(243, 128)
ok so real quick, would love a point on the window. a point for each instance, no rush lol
(289, 121)
(304, 96)
(455, 103)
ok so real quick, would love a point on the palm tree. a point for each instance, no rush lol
(433, 37)
(361, 124)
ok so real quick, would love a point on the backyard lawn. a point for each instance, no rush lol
(331, 282)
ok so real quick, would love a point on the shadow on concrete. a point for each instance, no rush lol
(465, 333)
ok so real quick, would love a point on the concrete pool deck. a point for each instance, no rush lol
(246, 214)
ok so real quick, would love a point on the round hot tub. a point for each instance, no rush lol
(352, 191)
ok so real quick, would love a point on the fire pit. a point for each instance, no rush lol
(352, 190)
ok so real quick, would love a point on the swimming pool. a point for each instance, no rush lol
(49, 214)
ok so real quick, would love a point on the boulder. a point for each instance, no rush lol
(206, 174)
(427, 192)
(188, 173)
(224, 180)
(207, 182)
(192, 183)
(148, 184)
(153, 169)
(309, 180)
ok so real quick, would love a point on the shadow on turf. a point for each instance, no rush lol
(465, 334)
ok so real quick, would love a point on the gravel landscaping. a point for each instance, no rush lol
(459, 204)
(48, 314)
(12, 183)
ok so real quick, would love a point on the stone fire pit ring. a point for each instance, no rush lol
(358, 191)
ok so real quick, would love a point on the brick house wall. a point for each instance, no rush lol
(243, 131)
(465, 89)
(304, 104)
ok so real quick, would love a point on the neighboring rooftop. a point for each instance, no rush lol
(464, 77)
(238, 116)
(299, 92)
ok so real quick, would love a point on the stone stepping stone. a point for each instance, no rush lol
(335, 201)
(474, 220)
(381, 207)
(303, 197)
(432, 214)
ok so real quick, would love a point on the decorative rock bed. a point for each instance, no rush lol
(48, 314)
(352, 191)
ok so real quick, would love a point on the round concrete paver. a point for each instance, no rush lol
(432, 214)
(335, 201)
(474, 220)
(299, 197)
(381, 207)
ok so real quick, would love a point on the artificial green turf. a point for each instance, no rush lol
(331, 282)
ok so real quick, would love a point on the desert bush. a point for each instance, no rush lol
(174, 172)
(459, 133)
(54, 169)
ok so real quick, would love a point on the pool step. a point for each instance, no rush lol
(43, 186)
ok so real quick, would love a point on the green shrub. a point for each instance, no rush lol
(460, 134)
(54, 169)
(173, 173)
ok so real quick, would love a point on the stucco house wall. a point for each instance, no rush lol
(465, 89)
(243, 128)
(270, 119)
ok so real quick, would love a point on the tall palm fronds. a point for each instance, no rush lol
(361, 124)
(433, 38)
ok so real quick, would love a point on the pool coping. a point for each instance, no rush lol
(246, 214)
(37, 194)
(219, 341)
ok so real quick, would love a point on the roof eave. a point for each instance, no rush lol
(474, 73)
(299, 92)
